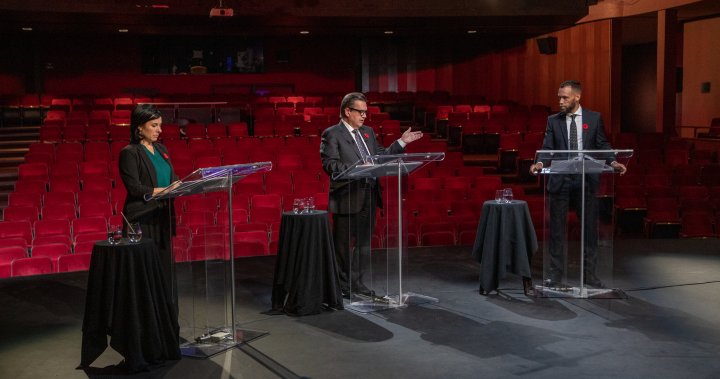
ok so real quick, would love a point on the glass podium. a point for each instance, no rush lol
(579, 222)
(378, 250)
(205, 267)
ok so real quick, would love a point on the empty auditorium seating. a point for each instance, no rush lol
(31, 266)
(56, 178)
(74, 262)
(17, 229)
(20, 213)
(7, 255)
(51, 250)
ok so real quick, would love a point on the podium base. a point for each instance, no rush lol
(579, 292)
(411, 298)
(366, 304)
(217, 341)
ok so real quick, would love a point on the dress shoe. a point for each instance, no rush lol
(592, 280)
(528, 287)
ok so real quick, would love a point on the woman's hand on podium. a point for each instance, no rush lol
(174, 185)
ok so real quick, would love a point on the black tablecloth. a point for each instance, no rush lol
(505, 242)
(126, 299)
(306, 274)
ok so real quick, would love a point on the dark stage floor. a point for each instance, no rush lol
(667, 327)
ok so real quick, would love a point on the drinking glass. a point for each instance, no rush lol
(298, 205)
(115, 234)
(309, 204)
(499, 196)
(134, 232)
(507, 195)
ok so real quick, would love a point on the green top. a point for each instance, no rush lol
(162, 168)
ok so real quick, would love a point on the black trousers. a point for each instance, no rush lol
(352, 235)
(570, 195)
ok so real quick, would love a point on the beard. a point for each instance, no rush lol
(572, 106)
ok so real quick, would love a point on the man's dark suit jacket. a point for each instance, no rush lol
(338, 152)
(138, 175)
(556, 138)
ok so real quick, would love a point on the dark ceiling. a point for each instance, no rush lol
(488, 18)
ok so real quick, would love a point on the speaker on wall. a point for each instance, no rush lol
(547, 45)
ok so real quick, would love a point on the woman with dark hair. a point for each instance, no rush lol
(145, 169)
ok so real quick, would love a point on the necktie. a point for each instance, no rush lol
(364, 153)
(573, 133)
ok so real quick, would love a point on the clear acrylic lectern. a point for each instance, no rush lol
(382, 269)
(206, 289)
(578, 251)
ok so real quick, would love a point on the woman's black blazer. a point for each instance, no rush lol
(138, 175)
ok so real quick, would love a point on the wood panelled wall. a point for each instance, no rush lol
(518, 73)
(700, 65)
(524, 75)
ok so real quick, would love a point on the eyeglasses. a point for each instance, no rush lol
(363, 112)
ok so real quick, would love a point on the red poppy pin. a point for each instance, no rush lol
(165, 156)
(585, 126)
(366, 136)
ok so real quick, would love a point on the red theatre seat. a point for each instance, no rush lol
(16, 229)
(20, 213)
(31, 266)
(251, 248)
(74, 262)
(53, 251)
(90, 225)
(7, 255)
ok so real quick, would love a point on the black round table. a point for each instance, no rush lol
(306, 277)
(127, 300)
(505, 242)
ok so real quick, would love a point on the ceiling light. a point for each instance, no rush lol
(304, 32)
(472, 31)
(123, 30)
(27, 29)
(389, 32)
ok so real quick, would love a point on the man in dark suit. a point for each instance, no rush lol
(353, 202)
(574, 128)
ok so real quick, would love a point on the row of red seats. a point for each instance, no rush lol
(15, 262)
(288, 126)
(669, 177)
(110, 151)
(330, 98)
(444, 112)
(428, 101)
(85, 103)
(77, 235)
(120, 132)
